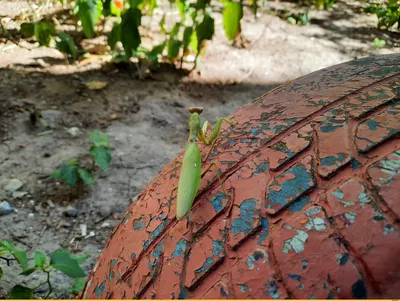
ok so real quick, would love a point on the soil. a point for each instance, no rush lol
(146, 119)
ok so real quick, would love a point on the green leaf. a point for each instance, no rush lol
(44, 33)
(114, 36)
(379, 43)
(152, 5)
(57, 174)
(73, 162)
(39, 259)
(70, 174)
(154, 54)
(86, 176)
(98, 138)
(27, 29)
(130, 36)
(19, 254)
(1, 273)
(102, 156)
(79, 284)
(89, 13)
(291, 20)
(135, 3)
(303, 18)
(66, 45)
(162, 25)
(81, 258)
(28, 271)
(194, 42)
(187, 34)
(232, 14)
(61, 260)
(173, 48)
(204, 31)
(21, 292)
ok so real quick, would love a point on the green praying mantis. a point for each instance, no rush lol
(190, 176)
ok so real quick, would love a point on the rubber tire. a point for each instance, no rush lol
(312, 175)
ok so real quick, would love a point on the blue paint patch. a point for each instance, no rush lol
(333, 120)
(265, 232)
(207, 264)
(146, 244)
(243, 288)
(304, 264)
(158, 251)
(244, 223)
(354, 164)
(253, 258)
(292, 188)
(180, 248)
(158, 230)
(100, 290)
(138, 224)
(272, 289)
(217, 201)
(111, 276)
(261, 168)
(113, 262)
(333, 160)
(218, 247)
(330, 128)
(294, 276)
(372, 125)
(182, 293)
(223, 292)
(133, 256)
(299, 204)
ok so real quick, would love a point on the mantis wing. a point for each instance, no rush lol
(189, 180)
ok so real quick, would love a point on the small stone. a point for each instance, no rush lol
(5, 208)
(105, 225)
(18, 194)
(31, 215)
(74, 131)
(13, 185)
(50, 203)
(32, 202)
(71, 212)
(83, 230)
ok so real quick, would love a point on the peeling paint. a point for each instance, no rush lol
(296, 243)
(244, 223)
(180, 248)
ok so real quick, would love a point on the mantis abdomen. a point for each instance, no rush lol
(189, 180)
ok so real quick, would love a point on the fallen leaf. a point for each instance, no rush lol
(114, 116)
(96, 85)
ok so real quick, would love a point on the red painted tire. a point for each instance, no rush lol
(312, 209)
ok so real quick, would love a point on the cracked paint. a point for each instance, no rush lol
(385, 175)
(290, 185)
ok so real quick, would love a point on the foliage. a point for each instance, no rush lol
(301, 18)
(60, 260)
(379, 43)
(388, 13)
(186, 34)
(72, 172)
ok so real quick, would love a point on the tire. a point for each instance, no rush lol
(312, 177)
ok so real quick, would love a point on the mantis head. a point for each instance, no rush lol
(197, 110)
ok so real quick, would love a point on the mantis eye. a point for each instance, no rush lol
(197, 110)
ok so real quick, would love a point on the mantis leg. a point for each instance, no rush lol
(219, 178)
(213, 136)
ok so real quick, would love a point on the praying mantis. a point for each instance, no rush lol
(190, 176)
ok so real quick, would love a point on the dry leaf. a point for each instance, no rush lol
(96, 85)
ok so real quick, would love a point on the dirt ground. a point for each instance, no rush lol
(146, 120)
